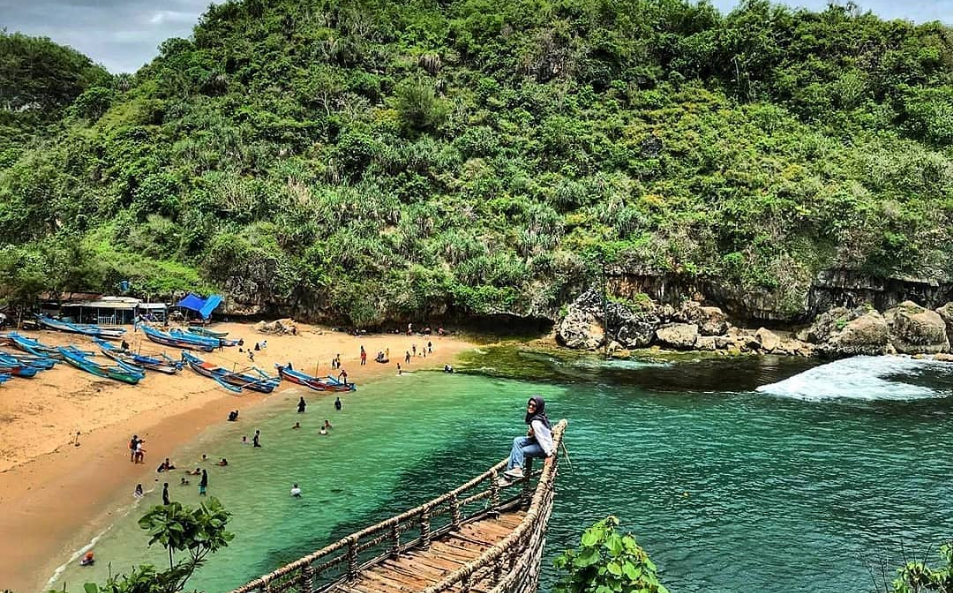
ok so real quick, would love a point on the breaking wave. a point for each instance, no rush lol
(868, 378)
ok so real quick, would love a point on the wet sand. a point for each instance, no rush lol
(56, 496)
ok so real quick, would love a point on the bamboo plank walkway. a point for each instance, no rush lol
(417, 569)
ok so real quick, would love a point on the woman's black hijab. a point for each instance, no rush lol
(540, 413)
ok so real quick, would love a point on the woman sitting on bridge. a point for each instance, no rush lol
(537, 443)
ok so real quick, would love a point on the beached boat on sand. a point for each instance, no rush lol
(83, 329)
(317, 383)
(204, 331)
(160, 363)
(120, 372)
(232, 380)
(161, 337)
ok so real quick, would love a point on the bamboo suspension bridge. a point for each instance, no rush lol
(479, 537)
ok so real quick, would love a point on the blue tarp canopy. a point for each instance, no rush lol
(204, 307)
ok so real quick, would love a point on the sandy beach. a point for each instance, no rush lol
(56, 495)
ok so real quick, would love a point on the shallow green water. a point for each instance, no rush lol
(728, 488)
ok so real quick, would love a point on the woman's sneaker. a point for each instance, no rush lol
(515, 473)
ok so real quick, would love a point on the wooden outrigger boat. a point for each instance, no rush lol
(39, 349)
(4, 378)
(120, 372)
(316, 383)
(15, 368)
(204, 331)
(483, 536)
(233, 381)
(160, 337)
(77, 328)
(217, 340)
(41, 362)
(160, 363)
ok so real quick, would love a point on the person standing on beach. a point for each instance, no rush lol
(414, 348)
(337, 404)
(132, 447)
(407, 357)
(165, 494)
(301, 405)
(140, 452)
(430, 347)
(256, 440)
(363, 356)
(399, 370)
(203, 483)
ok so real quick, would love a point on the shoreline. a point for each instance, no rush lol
(57, 498)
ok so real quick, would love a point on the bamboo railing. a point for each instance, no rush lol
(511, 566)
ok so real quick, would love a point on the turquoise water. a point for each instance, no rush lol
(801, 486)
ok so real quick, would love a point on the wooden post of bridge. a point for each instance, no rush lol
(352, 559)
(494, 492)
(425, 528)
(395, 536)
(308, 579)
(527, 494)
(455, 512)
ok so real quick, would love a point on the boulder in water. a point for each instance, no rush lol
(946, 314)
(678, 335)
(711, 321)
(916, 330)
(580, 329)
(850, 332)
(767, 340)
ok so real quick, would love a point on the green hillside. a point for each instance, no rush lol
(381, 160)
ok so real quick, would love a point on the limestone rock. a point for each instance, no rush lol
(706, 343)
(946, 314)
(677, 335)
(943, 357)
(767, 340)
(711, 321)
(867, 334)
(581, 330)
(632, 327)
(915, 330)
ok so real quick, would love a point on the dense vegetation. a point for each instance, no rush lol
(380, 159)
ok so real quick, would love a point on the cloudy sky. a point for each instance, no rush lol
(123, 35)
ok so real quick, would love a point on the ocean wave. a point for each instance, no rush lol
(868, 378)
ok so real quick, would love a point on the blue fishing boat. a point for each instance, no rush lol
(256, 380)
(120, 372)
(83, 329)
(206, 334)
(315, 383)
(4, 378)
(160, 337)
(159, 363)
(40, 362)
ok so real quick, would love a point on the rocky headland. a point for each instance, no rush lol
(619, 326)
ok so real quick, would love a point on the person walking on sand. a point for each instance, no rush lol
(301, 405)
(414, 348)
(256, 440)
(165, 494)
(363, 356)
(203, 483)
(407, 357)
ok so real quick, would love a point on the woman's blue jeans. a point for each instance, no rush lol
(524, 447)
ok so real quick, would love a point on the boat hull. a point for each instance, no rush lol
(314, 383)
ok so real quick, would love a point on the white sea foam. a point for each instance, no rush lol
(614, 363)
(861, 377)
